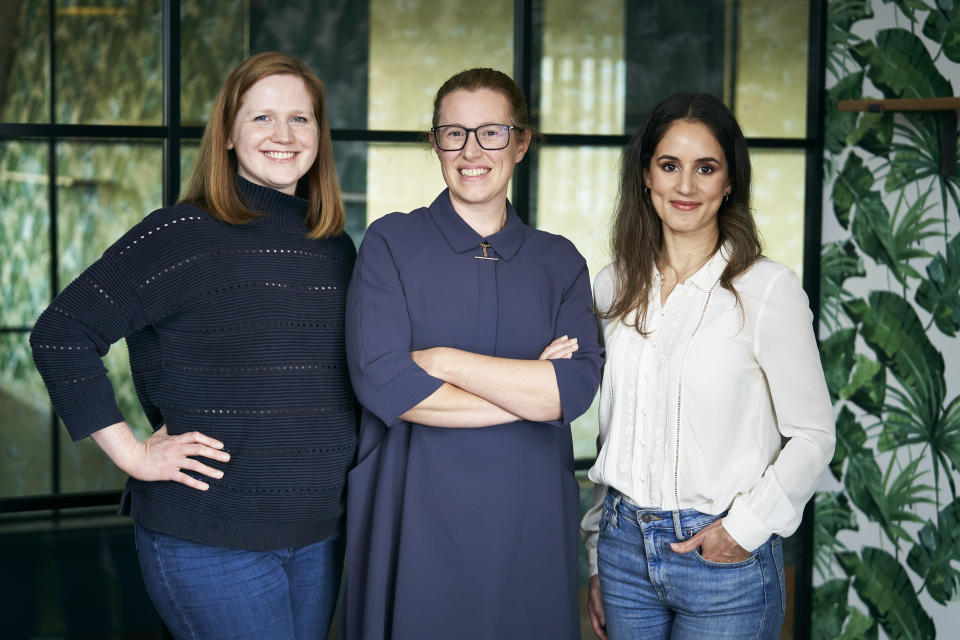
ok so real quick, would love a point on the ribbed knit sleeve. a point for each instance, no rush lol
(73, 334)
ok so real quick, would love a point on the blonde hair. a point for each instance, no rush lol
(213, 185)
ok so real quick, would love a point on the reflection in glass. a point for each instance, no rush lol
(213, 36)
(576, 194)
(779, 181)
(24, 232)
(25, 427)
(103, 190)
(108, 62)
(24, 62)
(401, 177)
(771, 81)
(582, 71)
(417, 44)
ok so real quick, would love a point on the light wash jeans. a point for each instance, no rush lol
(652, 592)
(206, 592)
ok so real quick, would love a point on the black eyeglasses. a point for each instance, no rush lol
(451, 137)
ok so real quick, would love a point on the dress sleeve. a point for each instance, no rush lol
(378, 334)
(73, 334)
(786, 349)
(578, 377)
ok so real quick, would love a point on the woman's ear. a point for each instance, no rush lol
(523, 142)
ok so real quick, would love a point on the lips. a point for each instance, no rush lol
(684, 205)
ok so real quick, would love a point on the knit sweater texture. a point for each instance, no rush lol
(235, 331)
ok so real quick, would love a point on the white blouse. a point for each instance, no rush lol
(738, 391)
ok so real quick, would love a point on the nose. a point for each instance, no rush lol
(686, 182)
(282, 132)
(472, 146)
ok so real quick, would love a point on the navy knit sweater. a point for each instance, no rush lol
(235, 331)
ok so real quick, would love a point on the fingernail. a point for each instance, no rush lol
(220, 475)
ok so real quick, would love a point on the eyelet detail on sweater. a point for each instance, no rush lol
(106, 296)
(159, 228)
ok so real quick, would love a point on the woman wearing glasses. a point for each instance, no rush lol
(463, 504)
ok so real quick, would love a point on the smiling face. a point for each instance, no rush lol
(275, 133)
(478, 178)
(688, 177)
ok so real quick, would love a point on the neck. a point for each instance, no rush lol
(486, 220)
(684, 255)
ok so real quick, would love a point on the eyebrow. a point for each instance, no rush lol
(676, 159)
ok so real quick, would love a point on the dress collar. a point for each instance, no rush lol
(462, 237)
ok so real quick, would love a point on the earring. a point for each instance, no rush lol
(726, 197)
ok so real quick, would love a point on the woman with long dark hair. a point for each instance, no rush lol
(715, 421)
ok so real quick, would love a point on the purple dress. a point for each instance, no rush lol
(462, 533)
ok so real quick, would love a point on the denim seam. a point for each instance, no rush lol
(166, 585)
(763, 590)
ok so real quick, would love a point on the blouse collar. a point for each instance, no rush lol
(462, 237)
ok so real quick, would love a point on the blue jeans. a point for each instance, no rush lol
(652, 592)
(206, 592)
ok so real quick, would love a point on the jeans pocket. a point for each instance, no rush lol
(725, 565)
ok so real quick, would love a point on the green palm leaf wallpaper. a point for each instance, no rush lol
(887, 524)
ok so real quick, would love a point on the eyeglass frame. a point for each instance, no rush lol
(468, 130)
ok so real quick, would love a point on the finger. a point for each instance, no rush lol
(183, 478)
(196, 436)
(198, 467)
(687, 545)
(206, 452)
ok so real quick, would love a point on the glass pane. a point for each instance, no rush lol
(24, 232)
(417, 44)
(671, 47)
(188, 158)
(25, 418)
(108, 62)
(103, 189)
(24, 61)
(351, 160)
(401, 177)
(779, 181)
(576, 193)
(771, 81)
(332, 36)
(214, 37)
(582, 72)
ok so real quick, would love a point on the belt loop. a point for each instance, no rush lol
(677, 526)
(613, 511)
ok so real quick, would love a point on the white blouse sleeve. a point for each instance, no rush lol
(786, 349)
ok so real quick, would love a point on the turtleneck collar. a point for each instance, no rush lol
(278, 208)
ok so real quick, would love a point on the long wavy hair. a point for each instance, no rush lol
(637, 231)
(213, 184)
